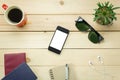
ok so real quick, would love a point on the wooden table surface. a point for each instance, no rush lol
(43, 18)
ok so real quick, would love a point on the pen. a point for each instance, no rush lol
(66, 72)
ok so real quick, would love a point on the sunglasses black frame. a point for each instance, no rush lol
(81, 20)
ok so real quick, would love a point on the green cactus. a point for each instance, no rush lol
(105, 13)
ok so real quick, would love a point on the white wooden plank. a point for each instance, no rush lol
(42, 40)
(1, 72)
(79, 57)
(50, 22)
(55, 7)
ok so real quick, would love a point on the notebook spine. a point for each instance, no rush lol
(51, 74)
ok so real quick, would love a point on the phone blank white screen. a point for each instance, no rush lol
(58, 39)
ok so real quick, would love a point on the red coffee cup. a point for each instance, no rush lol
(14, 15)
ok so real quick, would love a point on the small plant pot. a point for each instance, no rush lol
(105, 13)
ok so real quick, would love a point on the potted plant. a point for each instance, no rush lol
(105, 14)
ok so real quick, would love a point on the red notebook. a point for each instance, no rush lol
(11, 61)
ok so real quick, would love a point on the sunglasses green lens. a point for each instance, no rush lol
(93, 37)
(82, 26)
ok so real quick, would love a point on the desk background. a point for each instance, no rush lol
(43, 18)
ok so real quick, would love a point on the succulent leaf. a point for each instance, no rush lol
(115, 8)
(106, 3)
(111, 6)
(99, 5)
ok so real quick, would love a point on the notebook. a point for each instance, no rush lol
(22, 72)
(59, 73)
(11, 61)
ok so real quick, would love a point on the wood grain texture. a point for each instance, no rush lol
(78, 57)
(55, 7)
(50, 22)
(43, 18)
(42, 40)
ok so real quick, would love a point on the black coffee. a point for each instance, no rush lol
(15, 15)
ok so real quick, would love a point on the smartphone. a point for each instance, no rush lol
(58, 40)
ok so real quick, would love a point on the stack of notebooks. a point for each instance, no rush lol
(62, 72)
(16, 68)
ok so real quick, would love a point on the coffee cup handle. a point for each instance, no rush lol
(4, 6)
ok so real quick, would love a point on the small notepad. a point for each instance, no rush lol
(59, 73)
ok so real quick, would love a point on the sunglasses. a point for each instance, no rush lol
(93, 35)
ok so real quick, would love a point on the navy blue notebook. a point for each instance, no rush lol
(22, 72)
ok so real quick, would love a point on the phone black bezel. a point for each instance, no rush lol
(54, 49)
